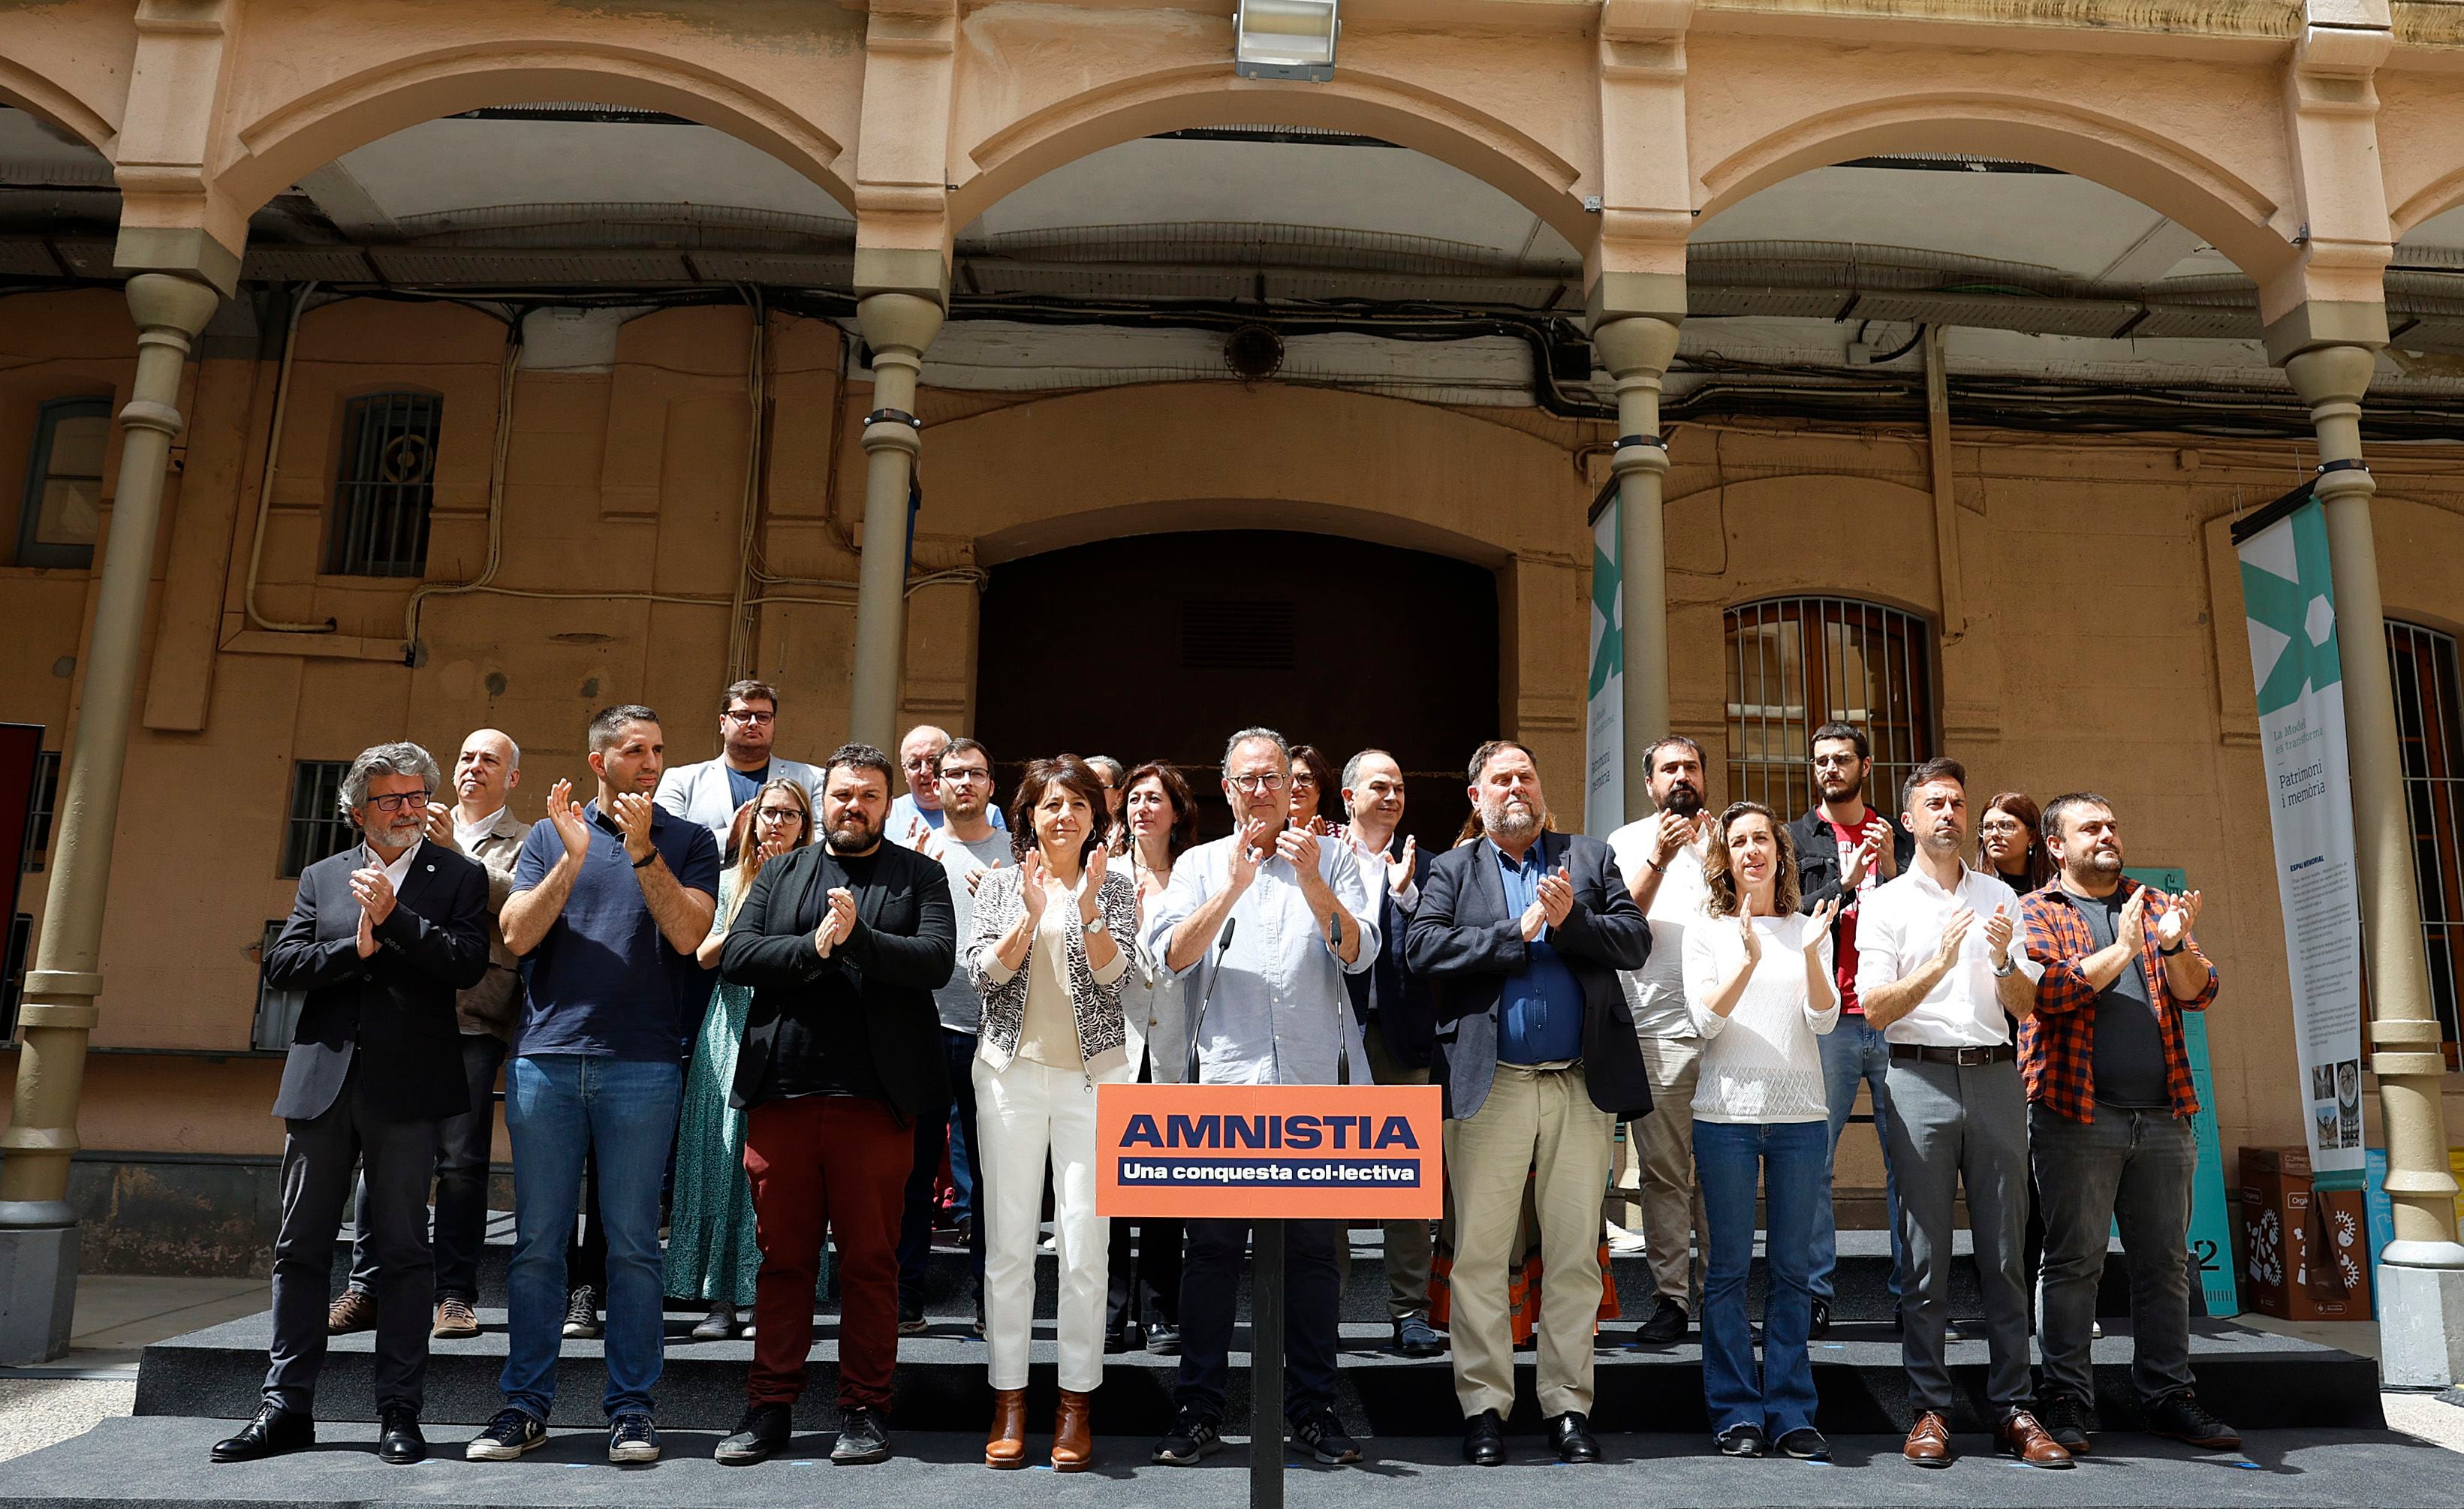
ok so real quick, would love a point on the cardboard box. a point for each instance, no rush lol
(2308, 1250)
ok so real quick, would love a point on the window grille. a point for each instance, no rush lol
(318, 826)
(20, 953)
(63, 512)
(1795, 664)
(2429, 731)
(41, 804)
(386, 486)
(278, 1012)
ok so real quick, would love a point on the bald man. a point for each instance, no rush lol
(916, 817)
(481, 827)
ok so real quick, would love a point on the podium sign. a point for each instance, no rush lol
(1270, 1151)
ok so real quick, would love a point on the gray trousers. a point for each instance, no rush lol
(2131, 1169)
(1951, 1125)
(317, 1158)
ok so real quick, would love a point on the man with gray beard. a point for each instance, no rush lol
(1523, 931)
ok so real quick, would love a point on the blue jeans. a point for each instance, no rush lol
(1851, 1052)
(1789, 1159)
(623, 1111)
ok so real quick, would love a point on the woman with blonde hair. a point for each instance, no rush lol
(1759, 986)
(1050, 943)
(711, 1252)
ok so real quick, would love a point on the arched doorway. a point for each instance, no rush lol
(1156, 646)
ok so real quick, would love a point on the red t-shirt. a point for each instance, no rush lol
(1843, 962)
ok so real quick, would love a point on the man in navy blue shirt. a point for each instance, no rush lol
(609, 901)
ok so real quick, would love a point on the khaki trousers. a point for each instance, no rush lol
(1536, 1117)
(1672, 1202)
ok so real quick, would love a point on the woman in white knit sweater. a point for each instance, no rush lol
(1758, 983)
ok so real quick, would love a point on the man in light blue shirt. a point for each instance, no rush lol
(1262, 926)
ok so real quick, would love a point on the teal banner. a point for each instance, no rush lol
(2210, 1219)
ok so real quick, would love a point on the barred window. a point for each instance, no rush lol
(2430, 730)
(1795, 664)
(40, 803)
(19, 955)
(318, 826)
(278, 1012)
(62, 513)
(386, 483)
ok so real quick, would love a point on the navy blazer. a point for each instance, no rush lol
(1407, 1006)
(398, 1003)
(1466, 941)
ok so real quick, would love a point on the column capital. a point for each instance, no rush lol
(902, 270)
(1629, 345)
(163, 300)
(1618, 295)
(186, 251)
(2318, 322)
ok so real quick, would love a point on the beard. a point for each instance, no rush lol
(851, 832)
(1683, 800)
(967, 806)
(1839, 788)
(1510, 819)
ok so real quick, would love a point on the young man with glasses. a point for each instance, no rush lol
(711, 792)
(916, 817)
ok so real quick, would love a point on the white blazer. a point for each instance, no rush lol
(701, 792)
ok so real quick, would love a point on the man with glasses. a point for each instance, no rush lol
(918, 816)
(713, 791)
(968, 846)
(380, 937)
(1844, 848)
(1262, 926)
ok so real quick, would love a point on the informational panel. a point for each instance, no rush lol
(1604, 743)
(1264, 1153)
(2289, 600)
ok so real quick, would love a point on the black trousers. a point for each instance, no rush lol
(465, 1148)
(1210, 1283)
(1145, 1280)
(317, 1157)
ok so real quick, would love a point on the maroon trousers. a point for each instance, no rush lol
(819, 1164)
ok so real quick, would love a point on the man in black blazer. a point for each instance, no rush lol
(1397, 1011)
(1523, 931)
(843, 943)
(380, 937)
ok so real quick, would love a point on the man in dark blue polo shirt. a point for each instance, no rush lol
(609, 901)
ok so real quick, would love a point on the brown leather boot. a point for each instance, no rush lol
(1073, 1432)
(1005, 1444)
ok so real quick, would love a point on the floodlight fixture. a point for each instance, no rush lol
(1292, 39)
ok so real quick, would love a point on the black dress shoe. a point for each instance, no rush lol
(273, 1431)
(1817, 1322)
(1570, 1433)
(1485, 1440)
(398, 1438)
(1666, 1326)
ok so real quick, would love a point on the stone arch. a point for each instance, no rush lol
(21, 86)
(298, 134)
(2431, 200)
(1176, 99)
(2231, 213)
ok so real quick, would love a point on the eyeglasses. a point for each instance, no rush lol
(922, 762)
(745, 716)
(966, 778)
(1257, 783)
(2000, 826)
(1826, 761)
(778, 814)
(399, 801)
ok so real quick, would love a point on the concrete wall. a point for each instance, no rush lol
(2103, 644)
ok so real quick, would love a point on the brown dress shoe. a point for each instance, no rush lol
(1930, 1441)
(354, 1310)
(1006, 1445)
(455, 1318)
(1073, 1432)
(2020, 1436)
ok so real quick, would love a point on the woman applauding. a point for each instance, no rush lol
(1758, 984)
(1052, 940)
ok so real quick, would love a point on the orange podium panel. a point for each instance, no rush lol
(1264, 1153)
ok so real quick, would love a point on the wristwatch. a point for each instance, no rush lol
(2002, 971)
(2166, 952)
(1093, 925)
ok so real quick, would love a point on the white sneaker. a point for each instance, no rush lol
(1625, 1243)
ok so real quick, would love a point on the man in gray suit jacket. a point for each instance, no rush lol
(381, 938)
(711, 792)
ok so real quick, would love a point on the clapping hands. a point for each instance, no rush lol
(837, 923)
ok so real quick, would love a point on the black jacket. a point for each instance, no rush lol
(1466, 940)
(396, 1004)
(1818, 862)
(905, 944)
(1407, 1005)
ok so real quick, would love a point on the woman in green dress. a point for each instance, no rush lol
(711, 1250)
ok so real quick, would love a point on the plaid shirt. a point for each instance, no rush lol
(2057, 1044)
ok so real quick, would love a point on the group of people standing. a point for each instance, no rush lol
(787, 998)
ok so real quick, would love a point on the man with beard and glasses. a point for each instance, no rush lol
(1260, 927)
(916, 817)
(2110, 1099)
(843, 943)
(1661, 860)
(1844, 848)
(1523, 932)
(380, 937)
(611, 900)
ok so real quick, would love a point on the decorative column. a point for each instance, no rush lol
(899, 322)
(38, 1232)
(1636, 349)
(2421, 1275)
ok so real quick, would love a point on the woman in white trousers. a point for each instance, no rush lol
(1051, 941)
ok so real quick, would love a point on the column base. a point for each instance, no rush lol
(2421, 1325)
(38, 1267)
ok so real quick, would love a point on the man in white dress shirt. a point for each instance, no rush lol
(1941, 978)
(1661, 860)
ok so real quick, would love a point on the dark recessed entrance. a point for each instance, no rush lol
(1158, 646)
